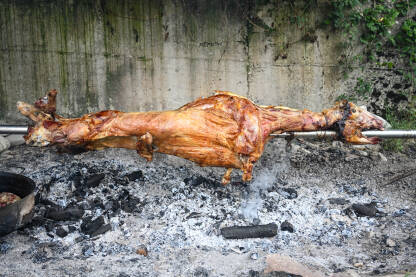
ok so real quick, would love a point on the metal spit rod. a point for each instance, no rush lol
(13, 129)
(22, 129)
(332, 134)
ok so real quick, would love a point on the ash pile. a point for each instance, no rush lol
(336, 210)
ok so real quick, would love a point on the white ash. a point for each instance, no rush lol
(179, 222)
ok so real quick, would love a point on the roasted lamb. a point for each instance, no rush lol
(223, 130)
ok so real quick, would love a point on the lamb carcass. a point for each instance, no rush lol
(223, 130)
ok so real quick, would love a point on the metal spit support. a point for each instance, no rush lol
(22, 129)
(13, 129)
(332, 134)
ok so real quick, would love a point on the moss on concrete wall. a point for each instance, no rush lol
(144, 55)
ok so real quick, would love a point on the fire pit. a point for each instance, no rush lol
(19, 213)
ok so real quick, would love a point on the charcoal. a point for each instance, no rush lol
(243, 232)
(289, 193)
(48, 202)
(90, 226)
(199, 180)
(94, 180)
(287, 226)
(64, 215)
(130, 205)
(40, 256)
(61, 232)
(97, 203)
(4, 247)
(365, 209)
(193, 215)
(135, 175)
(79, 239)
(72, 229)
(194, 180)
(48, 227)
(38, 221)
(338, 201)
(71, 149)
(115, 205)
(123, 194)
(201, 272)
(103, 229)
(88, 250)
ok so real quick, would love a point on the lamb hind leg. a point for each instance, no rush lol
(144, 146)
(227, 177)
(248, 167)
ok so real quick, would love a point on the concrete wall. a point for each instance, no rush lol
(151, 55)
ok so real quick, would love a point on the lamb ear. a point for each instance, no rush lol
(363, 107)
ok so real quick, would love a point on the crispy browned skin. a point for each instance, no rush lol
(224, 130)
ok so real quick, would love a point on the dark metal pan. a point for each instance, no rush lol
(19, 213)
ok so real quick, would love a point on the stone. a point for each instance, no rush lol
(337, 144)
(382, 157)
(254, 256)
(390, 242)
(340, 218)
(285, 264)
(363, 153)
(15, 139)
(371, 234)
(4, 144)
(351, 157)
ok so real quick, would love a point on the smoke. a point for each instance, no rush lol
(253, 202)
(262, 181)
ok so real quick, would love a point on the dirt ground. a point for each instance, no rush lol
(175, 210)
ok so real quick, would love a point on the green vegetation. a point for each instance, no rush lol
(399, 120)
(373, 25)
(362, 90)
